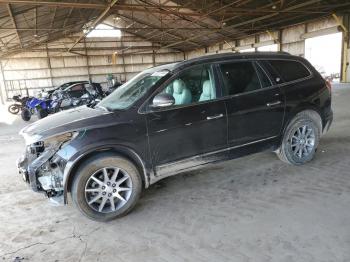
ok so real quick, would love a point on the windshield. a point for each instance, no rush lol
(65, 85)
(128, 93)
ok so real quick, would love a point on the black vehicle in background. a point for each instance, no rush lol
(65, 85)
(174, 118)
(75, 95)
(76, 88)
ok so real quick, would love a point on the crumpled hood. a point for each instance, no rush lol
(75, 119)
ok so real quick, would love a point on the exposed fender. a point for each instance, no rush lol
(74, 162)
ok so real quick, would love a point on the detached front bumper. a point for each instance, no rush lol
(43, 173)
(22, 165)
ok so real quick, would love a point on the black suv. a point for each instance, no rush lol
(174, 118)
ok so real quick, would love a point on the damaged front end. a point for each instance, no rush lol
(41, 167)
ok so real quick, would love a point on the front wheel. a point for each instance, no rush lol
(301, 138)
(25, 114)
(106, 187)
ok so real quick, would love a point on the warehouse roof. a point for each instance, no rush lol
(179, 24)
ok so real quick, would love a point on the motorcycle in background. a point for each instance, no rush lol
(20, 103)
(40, 107)
(57, 101)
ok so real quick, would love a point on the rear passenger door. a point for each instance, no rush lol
(255, 107)
(295, 81)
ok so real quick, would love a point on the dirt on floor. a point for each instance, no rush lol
(250, 209)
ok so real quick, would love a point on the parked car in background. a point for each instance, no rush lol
(174, 118)
(75, 95)
(65, 85)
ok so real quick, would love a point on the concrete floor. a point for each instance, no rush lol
(250, 209)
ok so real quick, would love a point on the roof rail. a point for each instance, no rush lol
(283, 52)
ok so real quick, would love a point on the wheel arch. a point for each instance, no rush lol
(292, 114)
(123, 151)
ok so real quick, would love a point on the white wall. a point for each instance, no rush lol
(50, 66)
(291, 39)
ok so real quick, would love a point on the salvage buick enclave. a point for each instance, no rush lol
(174, 118)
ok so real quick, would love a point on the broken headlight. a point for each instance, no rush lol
(49, 165)
(52, 143)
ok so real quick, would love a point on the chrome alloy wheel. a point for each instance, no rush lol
(302, 141)
(108, 189)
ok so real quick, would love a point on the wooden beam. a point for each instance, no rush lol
(250, 21)
(68, 16)
(95, 22)
(36, 20)
(127, 7)
(55, 4)
(14, 23)
(116, 28)
(169, 9)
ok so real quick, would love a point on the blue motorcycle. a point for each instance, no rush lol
(40, 107)
(61, 99)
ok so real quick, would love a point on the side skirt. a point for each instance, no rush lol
(200, 161)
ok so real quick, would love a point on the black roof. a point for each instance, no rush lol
(229, 56)
(75, 82)
(222, 57)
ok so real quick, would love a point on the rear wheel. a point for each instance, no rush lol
(25, 114)
(14, 109)
(301, 138)
(106, 187)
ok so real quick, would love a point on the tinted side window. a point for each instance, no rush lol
(196, 84)
(239, 77)
(289, 70)
(264, 80)
(79, 87)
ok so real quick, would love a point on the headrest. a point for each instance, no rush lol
(169, 89)
(178, 86)
(207, 89)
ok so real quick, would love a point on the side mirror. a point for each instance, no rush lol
(162, 100)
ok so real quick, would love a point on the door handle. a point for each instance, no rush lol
(215, 117)
(273, 103)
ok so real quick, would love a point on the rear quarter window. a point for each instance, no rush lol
(289, 70)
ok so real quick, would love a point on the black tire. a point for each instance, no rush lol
(41, 113)
(90, 167)
(291, 147)
(14, 109)
(25, 114)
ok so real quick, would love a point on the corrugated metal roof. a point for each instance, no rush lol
(179, 24)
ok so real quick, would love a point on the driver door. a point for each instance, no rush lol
(191, 131)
